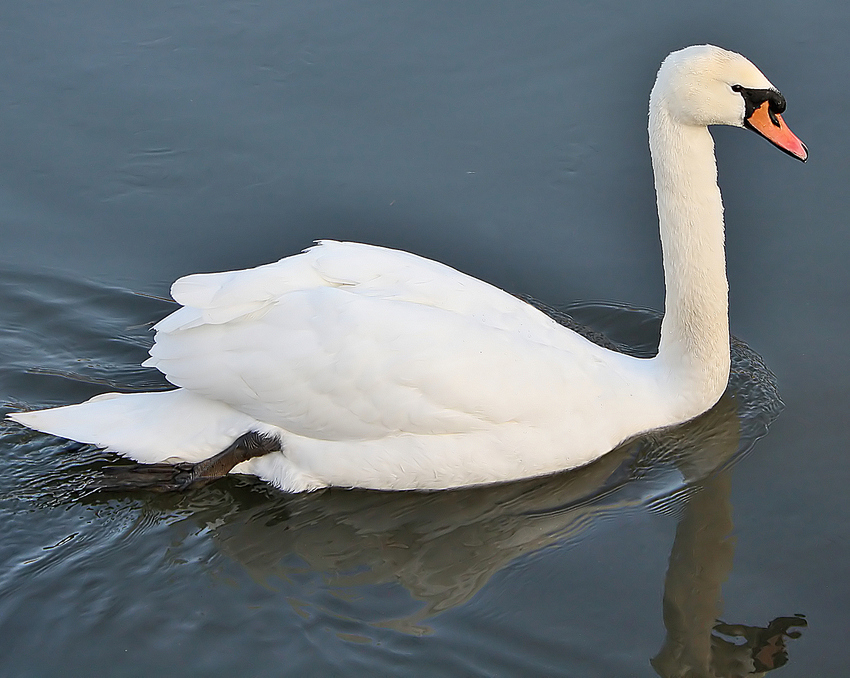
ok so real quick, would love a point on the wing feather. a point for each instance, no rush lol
(348, 341)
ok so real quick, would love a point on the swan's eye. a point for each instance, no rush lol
(737, 88)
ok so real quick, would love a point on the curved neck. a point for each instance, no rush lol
(694, 350)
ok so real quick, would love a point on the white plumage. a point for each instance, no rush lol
(381, 369)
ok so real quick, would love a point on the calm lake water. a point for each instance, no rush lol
(144, 142)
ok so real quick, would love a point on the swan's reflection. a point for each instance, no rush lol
(697, 644)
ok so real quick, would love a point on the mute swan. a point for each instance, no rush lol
(360, 366)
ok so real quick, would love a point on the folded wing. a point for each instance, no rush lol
(349, 341)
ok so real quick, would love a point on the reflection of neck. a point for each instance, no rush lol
(700, 562)
(694, 349)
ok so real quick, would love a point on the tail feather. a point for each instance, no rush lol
(163, 426)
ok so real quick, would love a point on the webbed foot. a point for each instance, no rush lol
(186, 475)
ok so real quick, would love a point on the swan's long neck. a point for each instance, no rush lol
(693, 357)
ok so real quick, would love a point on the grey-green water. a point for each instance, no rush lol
(507, 139)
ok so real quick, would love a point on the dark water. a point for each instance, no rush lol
(507, 139)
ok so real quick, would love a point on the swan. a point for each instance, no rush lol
(359, 366)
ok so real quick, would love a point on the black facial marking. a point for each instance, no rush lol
(753, 98)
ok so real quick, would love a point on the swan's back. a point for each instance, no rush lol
(361, 270)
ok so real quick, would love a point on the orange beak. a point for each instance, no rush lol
(773, 128)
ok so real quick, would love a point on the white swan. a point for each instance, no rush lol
(368, 367)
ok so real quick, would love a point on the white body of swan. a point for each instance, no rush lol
(380, 369)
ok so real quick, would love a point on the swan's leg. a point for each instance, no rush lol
(184, 476)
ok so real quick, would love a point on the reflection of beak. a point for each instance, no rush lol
(773, 128)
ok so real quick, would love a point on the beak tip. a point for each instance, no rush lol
(801, 153)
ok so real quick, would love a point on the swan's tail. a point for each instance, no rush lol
(164, 426)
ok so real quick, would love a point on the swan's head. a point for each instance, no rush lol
(706, 85)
